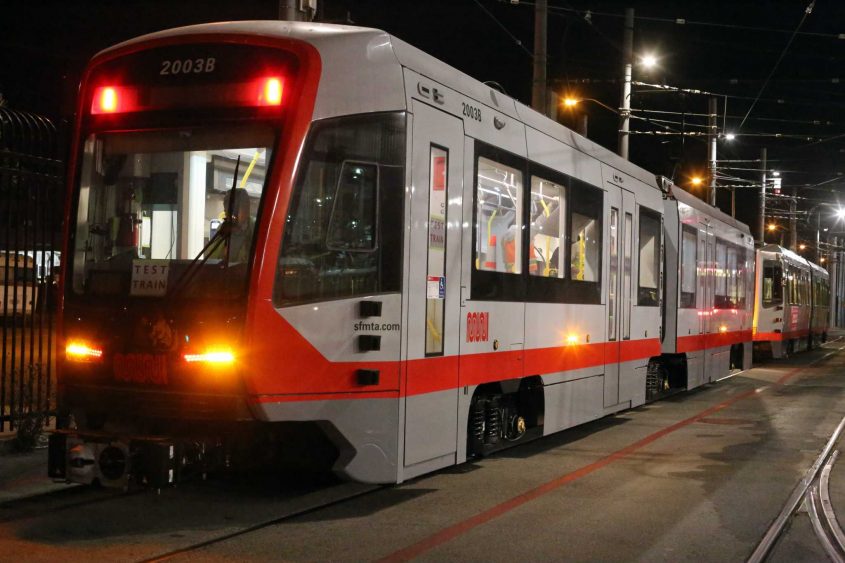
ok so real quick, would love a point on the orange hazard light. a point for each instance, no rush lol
(212, 356)
(81, 351)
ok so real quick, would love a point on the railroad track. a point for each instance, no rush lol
(81, 497)
(812, 494)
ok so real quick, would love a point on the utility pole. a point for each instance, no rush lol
(297, 10)
(833, 268)
(818, 234)
(762, 229)
(713, 135)
(793, 220)
(733, 202)
(628, 61)
(539, 98)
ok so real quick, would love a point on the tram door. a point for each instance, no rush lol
(619, 299)
(431, 374)
(706, 288)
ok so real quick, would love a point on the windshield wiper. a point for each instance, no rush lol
(222, 236)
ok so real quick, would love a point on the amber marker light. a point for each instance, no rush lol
(81, 351)
(572, 339)
(723, 328)
(212, 356)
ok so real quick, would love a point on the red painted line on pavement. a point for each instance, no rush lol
(455, 530)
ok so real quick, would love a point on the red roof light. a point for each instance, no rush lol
(271, 92)
(113, 99)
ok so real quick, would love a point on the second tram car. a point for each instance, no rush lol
(709, 319)
(792, 302)
(282, 229)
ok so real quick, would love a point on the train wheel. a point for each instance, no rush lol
(656, 381)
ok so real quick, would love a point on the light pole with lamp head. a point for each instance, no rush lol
(571, 102)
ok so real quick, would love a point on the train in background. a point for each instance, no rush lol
(399, 263)
(792, 312)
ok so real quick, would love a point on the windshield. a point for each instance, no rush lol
(152, 202)
(772, 283)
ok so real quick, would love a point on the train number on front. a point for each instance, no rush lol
(201, 65)
(471, 111)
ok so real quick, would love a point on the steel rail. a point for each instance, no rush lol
(357, 490)
(822, 534)
(798, 492)
(827, 505)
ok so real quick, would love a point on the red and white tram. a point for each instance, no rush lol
(714, 256)
(793, 302)
(283, 229)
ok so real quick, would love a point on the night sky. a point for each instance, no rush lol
(729, 48)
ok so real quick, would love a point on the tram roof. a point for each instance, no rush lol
(368, 45)
(778, 249)
(687, 198)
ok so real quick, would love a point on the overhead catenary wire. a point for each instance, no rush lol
(504, 28)
(807, 12)
(687, 22)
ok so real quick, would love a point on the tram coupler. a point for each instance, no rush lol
(91, 458)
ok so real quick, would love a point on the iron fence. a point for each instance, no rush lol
(31, 193)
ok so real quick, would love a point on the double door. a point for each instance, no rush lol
(620, 236)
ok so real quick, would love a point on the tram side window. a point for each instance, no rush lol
(547, 230)
(731, 274)
(341, 235)
(585, 233)
(689, 261)
(721, 291)
(498, 227)
(805, 288)
(772, 283)
(792, 285)
(352, 222)
(742, 277)
(649, 278)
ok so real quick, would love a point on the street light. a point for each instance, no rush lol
(570, 102)
(696, 180)
(730, 136)
(802, 246)
(648, 60)
(772, 227)
(839, 213)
